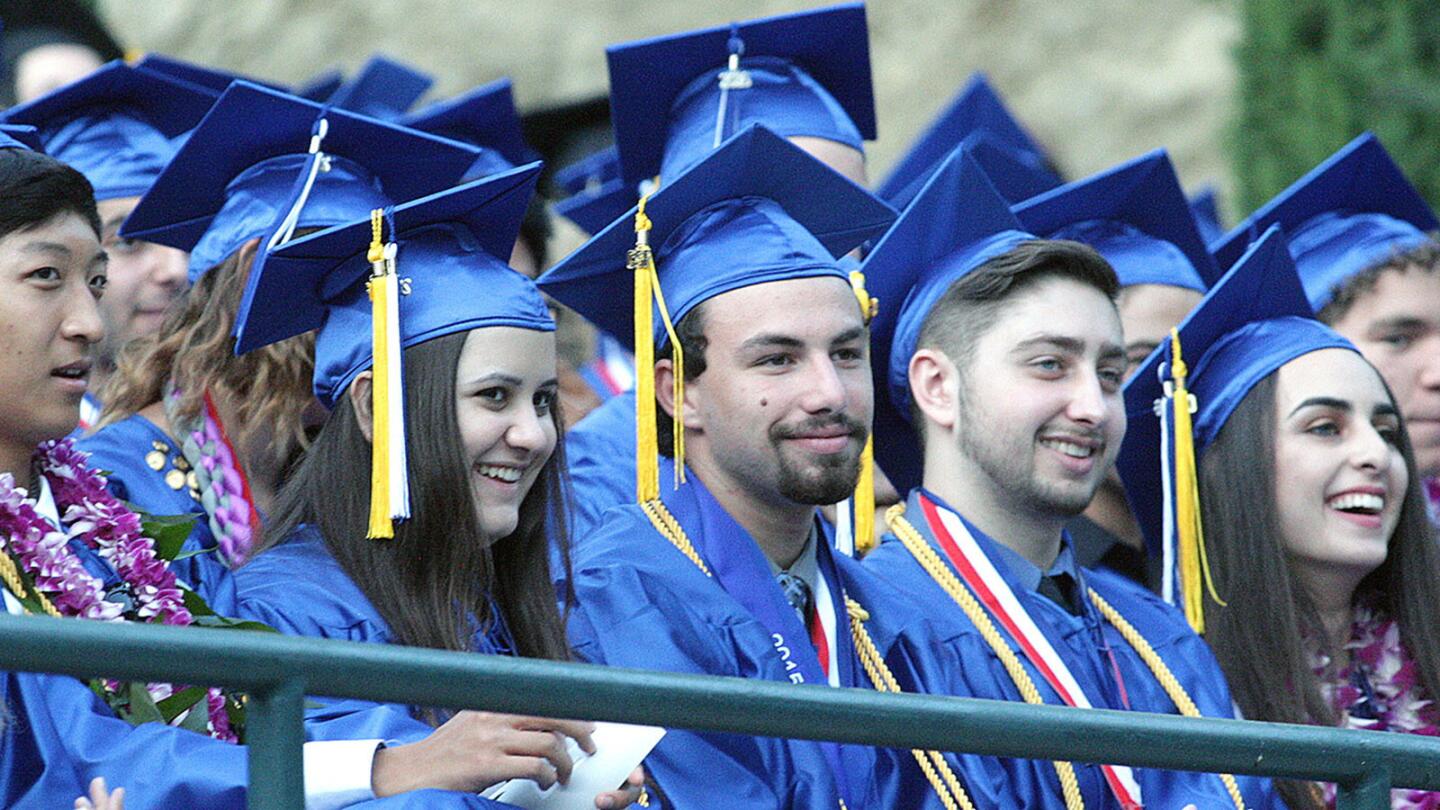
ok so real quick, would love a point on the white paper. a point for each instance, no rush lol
(619, 748)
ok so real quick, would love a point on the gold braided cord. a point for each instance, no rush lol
(932, 763)
(940, 572)
(10, 575)
(669, 528)
(1163, 674)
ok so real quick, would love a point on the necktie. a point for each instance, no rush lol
(1060, 589)
(798, 594)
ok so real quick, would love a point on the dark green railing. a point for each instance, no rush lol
(277, 672)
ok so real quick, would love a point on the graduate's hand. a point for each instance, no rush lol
(100, 798)
(625, 796)
(474, 750)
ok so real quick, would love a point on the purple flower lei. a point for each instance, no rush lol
(90, 514)
(1396, 699)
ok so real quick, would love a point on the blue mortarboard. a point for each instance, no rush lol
(401, 277)
(1136, 216)
(798, 74)
(20, 136)
(598, 196)
(757, 210)
(384, 88)
(205, 76)
(242, 170)
(1253, 321)
(484, 117)
(118, 126)
(1346, 215)
(453, 247)
(1014, 161)
(1205, 207)
(321, 86)
(956, 223)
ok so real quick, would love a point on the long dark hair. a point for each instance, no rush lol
(435, 580)
(1265, 634)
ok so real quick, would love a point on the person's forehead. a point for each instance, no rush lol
(1059, 307)
(1413, 292)
(792, 303)
(1330, 373)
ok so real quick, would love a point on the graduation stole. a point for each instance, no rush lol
(970, 579)
(737, 571)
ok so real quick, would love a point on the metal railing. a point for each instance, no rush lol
(278, 671)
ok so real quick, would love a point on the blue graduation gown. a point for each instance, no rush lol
(600, 456)
(641, 603)
(299, 589)
(963, 664)
(119, 450)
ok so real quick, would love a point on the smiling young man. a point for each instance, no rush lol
(1363, 241)
(730, 571)
(1007, 358)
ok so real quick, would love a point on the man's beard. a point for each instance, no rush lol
(1014, 474)
(824, 480)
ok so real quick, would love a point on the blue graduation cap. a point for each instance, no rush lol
(119, 126)
(598, 195)
(756, 210)
(20, 136)
(956, 223)
(396, 278)
(264, 160)
(1136, 216)
(1253, 321)
(1015, 161)
(484, 117)
(384, 88)
(321, 86)
(676, 98)
(1346, 215)
(211, 78)
(1205, 207)
(589, 172)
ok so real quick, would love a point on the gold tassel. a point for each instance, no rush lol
(641, 260)
(382, 297)
(1195, 577)
(864, 501)
(863, 522)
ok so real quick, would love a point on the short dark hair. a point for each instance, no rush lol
(1423, 257)
(972, 303)
(691, 333)
(35, 188)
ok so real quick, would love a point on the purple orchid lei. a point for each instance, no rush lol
(1380, 690)
(90, 514)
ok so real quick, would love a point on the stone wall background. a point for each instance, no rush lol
(1098, 81)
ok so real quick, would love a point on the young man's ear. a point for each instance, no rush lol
(935, 388)
(665, 394)
(360, 400)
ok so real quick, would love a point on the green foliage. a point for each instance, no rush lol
(1315, 73)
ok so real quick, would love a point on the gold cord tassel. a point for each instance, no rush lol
(864, 501)
(1188, 529)
(389, 487)
(641, 260)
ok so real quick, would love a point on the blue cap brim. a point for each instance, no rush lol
(289, 295)
(173, 106)
(1359, 178)
(831, 44)
(1143, 193)
(20, 136)
(250, 124)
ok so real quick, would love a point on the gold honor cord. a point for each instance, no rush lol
(1194, 567)
(932, 763)
(10, 575)
(941, 573)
